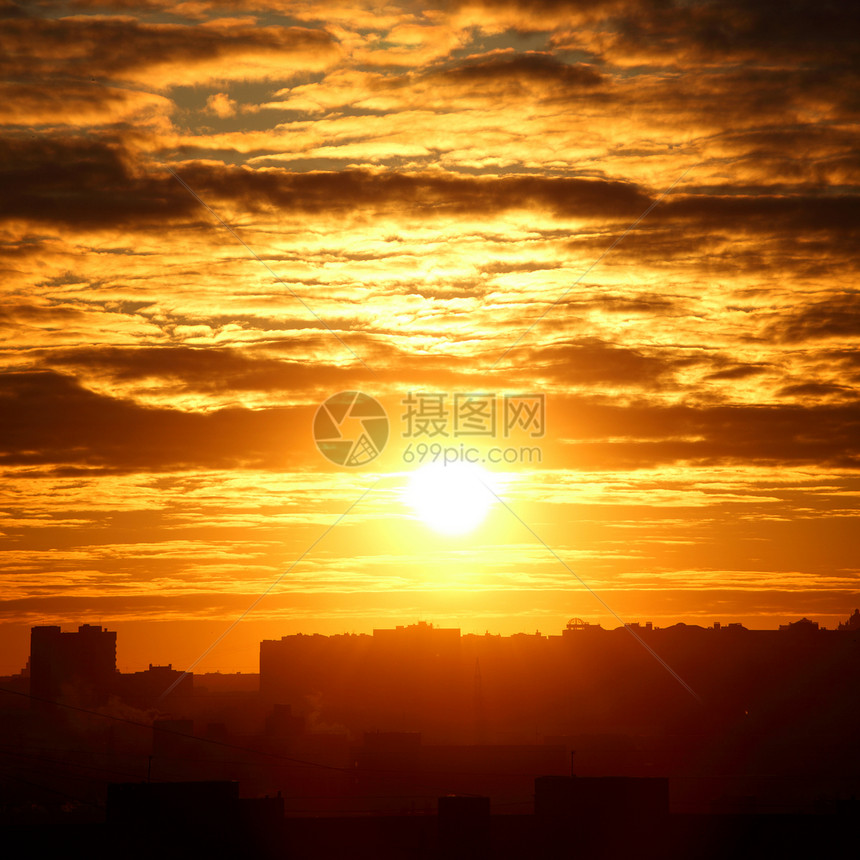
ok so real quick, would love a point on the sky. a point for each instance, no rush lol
(640, 215)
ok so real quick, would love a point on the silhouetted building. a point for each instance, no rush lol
(599, 798)
(803, 626)
(173, 738)
(435, 639)
(281, 722)
(145, 805)
(577, 627)
(389, 750)
(853, 622)
(294, 666)
(193, 819)
(464, 827)
(149, 689)
(79, 668)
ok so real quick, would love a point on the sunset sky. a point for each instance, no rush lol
(216, 215)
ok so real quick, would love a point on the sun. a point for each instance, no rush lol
(452, 499)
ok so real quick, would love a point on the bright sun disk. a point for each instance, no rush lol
(453, 498)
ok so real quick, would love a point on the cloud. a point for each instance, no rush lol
(488, 82)
(756, 31)
(712, 30)
(222, 373)
(73, 103)
(740, 371)
(84, 183)
(813, 390)
(159, 55)
(510, 69)
(221, 105)
(822, 435)
(838, 214)
(10, 10)
(53, 420)
(592, 362)
(431, 194)
(837, 318)
(87, 183)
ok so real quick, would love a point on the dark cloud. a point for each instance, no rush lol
(534, 6)
(739, 371)
(14, 314)
(817, 389)
(837, 317)
(839, 213)
(129, 5)
(206, 370)
(509, 69)
(10, 10)
(430, 194)
(824, 435)
(223, 372)
(52, 421)
(637, 303)
(846, 357)
(593, 362)
(731, 29)
(49, 418)
(121, 47)
(92, 182)
(67, 102)
(525, 266)
(791, 138)
(757, 30)
(86, 182)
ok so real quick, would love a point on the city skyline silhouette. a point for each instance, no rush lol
(474, 735)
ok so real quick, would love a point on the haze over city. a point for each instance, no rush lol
(420, 742)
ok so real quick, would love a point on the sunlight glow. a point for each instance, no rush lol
(452, 499)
